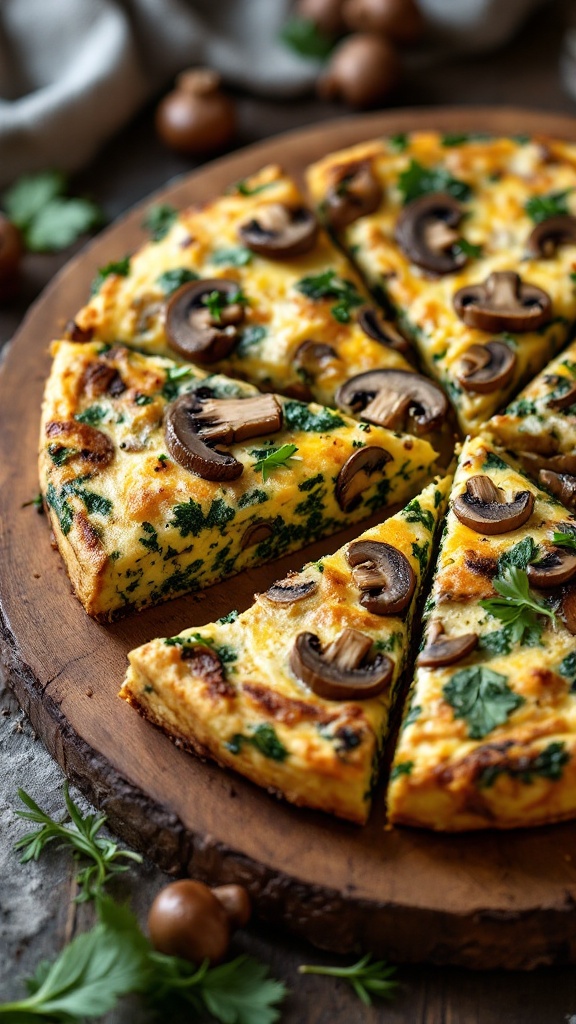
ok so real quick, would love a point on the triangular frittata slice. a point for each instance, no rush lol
(539, 427)
(472, 241)
(275, 692)
(489, 736)
(292, 315)
(160, 479)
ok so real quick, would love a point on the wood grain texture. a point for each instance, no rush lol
(480, 901)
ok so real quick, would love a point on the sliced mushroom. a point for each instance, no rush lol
(556, 567)
(187, 447)
(549, 234)
(357, 473)
(256, 533)
(445, 650)
(486, 368)
(73, 332)
(425, 231)
(342, 671)
(561, 485)
(312, 356)
(196, 333)
(563, 401)
(569, 609)
(481, 507)
(373, 323)
(354, 192)
(397, 399)
(279, 231)
(292, 588)
(383, 574)
(88, 444)
(503, 302)
(237, 419)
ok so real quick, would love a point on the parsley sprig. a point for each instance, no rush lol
(275, 458)
(368, 978)
(563, 539)
(517, 606)
(328, 285)
(216, 301)
(81, 834)
(48, 219)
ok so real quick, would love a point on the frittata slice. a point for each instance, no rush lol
(291, 315)
(296, 692)
(471, 241)
(539, 427)
(160, 479)
(489, 736)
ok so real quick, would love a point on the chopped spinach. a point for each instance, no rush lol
(482, 698)
(190, 518)
(553, 204)
(414, 513)
(251, 336)
(548, 764)
(398, 143)
(328, 285)
(234, 256)
(264, 739)
(159, 219)
(171, 280)
(92, 415)
(121, 268)
(493, 461)
(418, 181)
(520, 555)
(254, 497)
(151, 540)
(64, 513)
(402, 768)
(299, 416)
(420, 551)
(174, 377)
(225, 620)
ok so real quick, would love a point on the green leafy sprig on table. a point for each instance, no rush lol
(49, 219)
(369, 978)
(275, 458)
(81, 835)
(517, 607)
(115, 959)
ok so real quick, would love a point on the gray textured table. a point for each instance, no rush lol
(36, 913)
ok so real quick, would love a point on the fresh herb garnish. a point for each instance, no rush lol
(417, 181)
(235, 256)
(174, 377)
(517, 606)
(300, 416)
(482, 698)
(37, 502)
(92, 415)
(328, 285)
(369, 978)
(158, 220)
(48, 219)
(120, 267)
(398, 143)
(565, 538)
(275, 457)
(474, 252)
(303, 37)
(171, 280)
(217, 301)
(553, 204)
(81, 834)
(141, 399)
(520, 555)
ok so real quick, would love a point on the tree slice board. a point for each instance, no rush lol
(478, 900)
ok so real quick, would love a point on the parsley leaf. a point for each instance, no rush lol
(482, 698)
(417, 181)
(303, 37)
(367, 977)
(414, 513)
(121, 268)
(520, 555)
(517, 606)
(235, 256)
(30, 194)
(398, 143)
(217, 300)
(328, 285)
(565, 537)
(276, 457)
(552, 204)
(81, 834)
(60, 223)
(474, 252)
(159, 219)
(174, 376)
(171, 280)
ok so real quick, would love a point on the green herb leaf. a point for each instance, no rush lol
(264, 739)
(37, 502)
(159, 219)
(121, 268)
(251, 336)
(552, 204)
(474, 252)
(417, 181)
(303, 37)
(482, 698)
(517, 606)
(369, 978)
(520, 555)
(175, 375)
(92, 415)
(81, 835)
(30, 194)
(548, 764)
(565, 537)
(244, 189)
(275, 458)
(328, 285)
(60, 223)
(300, 416)
(217, 301)
(398, 143)
(171, 280)
(414, 513)
(235, 256)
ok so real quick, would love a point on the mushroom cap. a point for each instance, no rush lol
(292, 588)
(425, 231)
(375, 326)
(236, 902)
(389, 397)
(480, 507)
(258, 531)
(486, 368)
(356, 475)
(312, 356)
(280, 231)
(556, 567)
(561, 485)
(341, 671)
(446, 650)
(188, 921)
(354, 192)
(383, 574)
(187, 447)
(549, 234)
(503, 302)
(565, 401)
(362, 70)
(190, 330)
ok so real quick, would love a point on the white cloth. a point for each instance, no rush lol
(73, 71)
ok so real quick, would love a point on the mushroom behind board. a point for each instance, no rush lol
(343, 670)
(279, 231)
(503, 302)
(202, 319)
(426, 233)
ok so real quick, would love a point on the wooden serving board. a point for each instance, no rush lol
(478, 900)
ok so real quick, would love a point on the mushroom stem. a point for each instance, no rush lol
(237, 419)
(348, 650)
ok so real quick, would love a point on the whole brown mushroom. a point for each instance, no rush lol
(187, 920)
(11, 250)
(236, 903)
(326, 15)
(197, 117)
(400, 20)
(362, 71)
